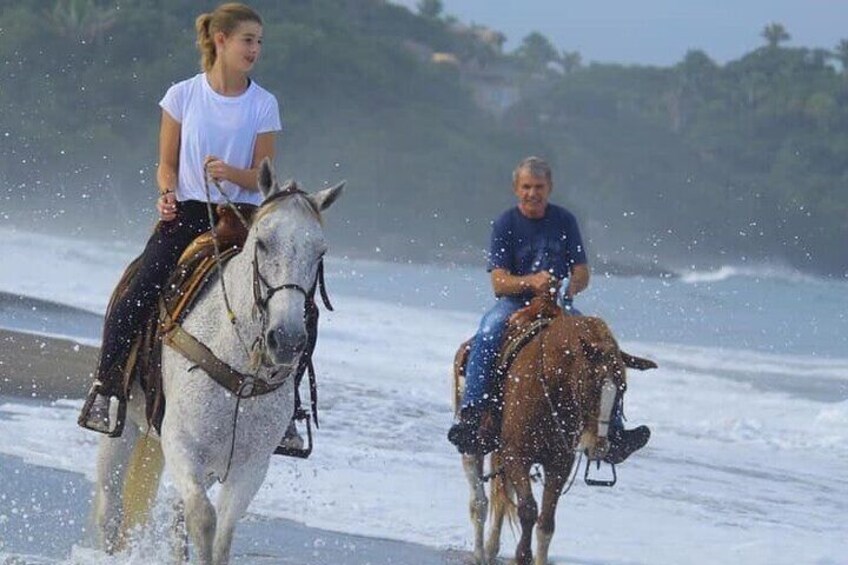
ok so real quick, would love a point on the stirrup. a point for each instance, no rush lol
(592, 482)
(299, 452)
(85, 420)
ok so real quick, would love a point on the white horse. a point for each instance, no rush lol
(208, 434)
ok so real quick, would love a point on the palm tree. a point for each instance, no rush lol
(430, 8)
(841, 54)
(82, 20)
(570, 61)
(775, 34)
(537, 51)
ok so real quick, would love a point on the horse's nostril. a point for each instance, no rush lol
(286, 345)
(271, 339)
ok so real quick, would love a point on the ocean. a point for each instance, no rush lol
(748, 462)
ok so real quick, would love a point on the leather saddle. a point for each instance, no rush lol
(532, 321)
(194, 269)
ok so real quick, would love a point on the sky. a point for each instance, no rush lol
(656, 32)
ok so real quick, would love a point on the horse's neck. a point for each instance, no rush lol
(204, 321)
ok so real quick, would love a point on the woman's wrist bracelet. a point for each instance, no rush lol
(163, 192)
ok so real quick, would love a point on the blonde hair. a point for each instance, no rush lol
(225, 18)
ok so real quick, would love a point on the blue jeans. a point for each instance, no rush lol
(485, 347)
(484, 350)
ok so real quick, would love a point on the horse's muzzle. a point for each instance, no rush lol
(284, 347)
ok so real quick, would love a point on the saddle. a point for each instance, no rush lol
(194, 269)
(531, 321)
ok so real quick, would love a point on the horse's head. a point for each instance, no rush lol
(287, 242)
(605, 365)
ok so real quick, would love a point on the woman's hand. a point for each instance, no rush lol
(216, 169)
(166, 205)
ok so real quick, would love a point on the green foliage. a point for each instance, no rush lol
(536, 51)
(745, 160)
(430, 8)
(775, 34)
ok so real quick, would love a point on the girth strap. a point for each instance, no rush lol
(244, 386)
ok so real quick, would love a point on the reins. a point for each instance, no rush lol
(247, 386)
(556, 420)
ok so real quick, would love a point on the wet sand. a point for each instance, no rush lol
(35, 366)
(46, 513)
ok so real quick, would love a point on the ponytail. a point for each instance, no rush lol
(225, 18)
(205, 43)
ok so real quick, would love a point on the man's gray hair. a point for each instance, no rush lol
(536, 166)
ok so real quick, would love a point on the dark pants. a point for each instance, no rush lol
(129, 315)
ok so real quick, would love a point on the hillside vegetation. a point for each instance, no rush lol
(692, 164)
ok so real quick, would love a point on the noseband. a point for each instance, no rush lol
(260, 302)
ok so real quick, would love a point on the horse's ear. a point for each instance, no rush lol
(325, 198)
(633, 362)
(267, 179)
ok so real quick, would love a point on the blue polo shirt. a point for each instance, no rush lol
(523, 246)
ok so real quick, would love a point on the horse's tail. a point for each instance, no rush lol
(501, 493)
(459, 362)
(141, 483)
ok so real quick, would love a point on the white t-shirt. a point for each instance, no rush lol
(223, 126)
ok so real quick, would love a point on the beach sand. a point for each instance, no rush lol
(42, 367)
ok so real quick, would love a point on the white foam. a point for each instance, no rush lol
(754, 271)
(732, 473)
(737, 469)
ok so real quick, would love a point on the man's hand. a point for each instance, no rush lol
(166, 205)
(542, 283)
(521, 317)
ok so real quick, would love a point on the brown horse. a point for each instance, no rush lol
(551, 398)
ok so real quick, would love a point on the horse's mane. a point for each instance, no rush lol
(289, 192)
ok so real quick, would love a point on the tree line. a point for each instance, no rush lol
(746, 161)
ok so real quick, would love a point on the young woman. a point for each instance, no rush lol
(219, 123)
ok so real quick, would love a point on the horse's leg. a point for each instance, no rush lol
(178, 539)
(233, 500)
(478, 506)
(113, 456)
(499, 501)
(556, 476)
(518, 473)
(200, 516)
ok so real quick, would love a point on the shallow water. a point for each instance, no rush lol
(749, 409)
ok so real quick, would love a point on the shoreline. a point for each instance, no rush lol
(47, 368)
(36, 368)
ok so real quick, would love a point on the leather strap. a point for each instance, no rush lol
(244, 386)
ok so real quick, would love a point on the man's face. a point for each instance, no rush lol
(533, 193)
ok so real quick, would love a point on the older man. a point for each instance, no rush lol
(534, 247)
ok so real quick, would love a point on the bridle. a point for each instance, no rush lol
(247, 385)
(261, 299)
(260, 303)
